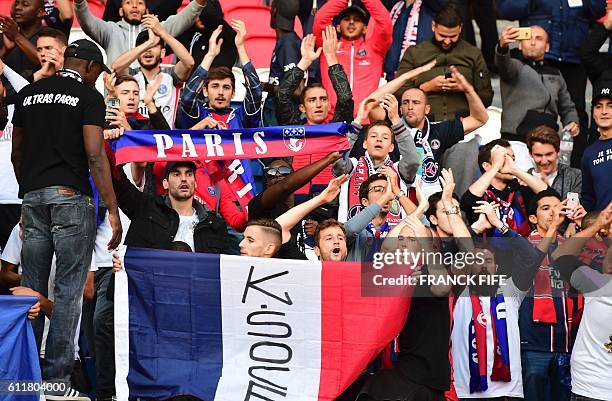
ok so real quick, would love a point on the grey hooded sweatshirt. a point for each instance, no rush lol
(117, 38)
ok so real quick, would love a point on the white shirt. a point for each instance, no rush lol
(549, 178)
(591, 362)
(462, 317)
(102, 256)
(186, 228)
(8, 183)
(166, 98)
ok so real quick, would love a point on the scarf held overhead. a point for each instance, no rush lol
(245, 143)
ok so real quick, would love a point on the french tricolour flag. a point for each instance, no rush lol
(237, 328)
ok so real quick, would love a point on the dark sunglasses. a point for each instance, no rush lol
(282, 170)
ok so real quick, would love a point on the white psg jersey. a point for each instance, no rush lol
(166, 98)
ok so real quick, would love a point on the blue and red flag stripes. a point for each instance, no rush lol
(234, 328)
(245, 143)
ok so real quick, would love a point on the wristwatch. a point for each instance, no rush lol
(399, 195)
(452, 210)
(504, 229)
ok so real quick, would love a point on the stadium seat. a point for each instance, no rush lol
(260, 49)
(256, 17)
(96, 7)
(260, 38)
(5, 7)
(226, 4)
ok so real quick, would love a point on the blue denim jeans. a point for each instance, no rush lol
(546, 376)
(60, 220)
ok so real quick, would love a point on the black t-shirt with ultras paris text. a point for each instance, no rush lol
(52, 113)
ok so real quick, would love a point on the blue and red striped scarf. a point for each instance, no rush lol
(510, 213)
(477, 343)
(543, 300)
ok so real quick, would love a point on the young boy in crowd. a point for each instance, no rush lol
(378, 143)
(379, 194)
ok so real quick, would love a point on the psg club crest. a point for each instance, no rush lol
(163, 89)
(294, 138)
(430, 170)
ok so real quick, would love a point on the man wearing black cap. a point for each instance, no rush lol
(597, 158)
(149, 51)
(362, 60)
(52, 163)
(158, 221)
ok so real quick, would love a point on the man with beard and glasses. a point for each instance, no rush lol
(118, 37)
(445, 95)
(149, 51)
(485, 335)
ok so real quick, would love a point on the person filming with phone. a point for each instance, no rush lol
(533, 92)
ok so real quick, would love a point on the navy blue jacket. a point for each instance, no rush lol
(596, 182)
(567, 27)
